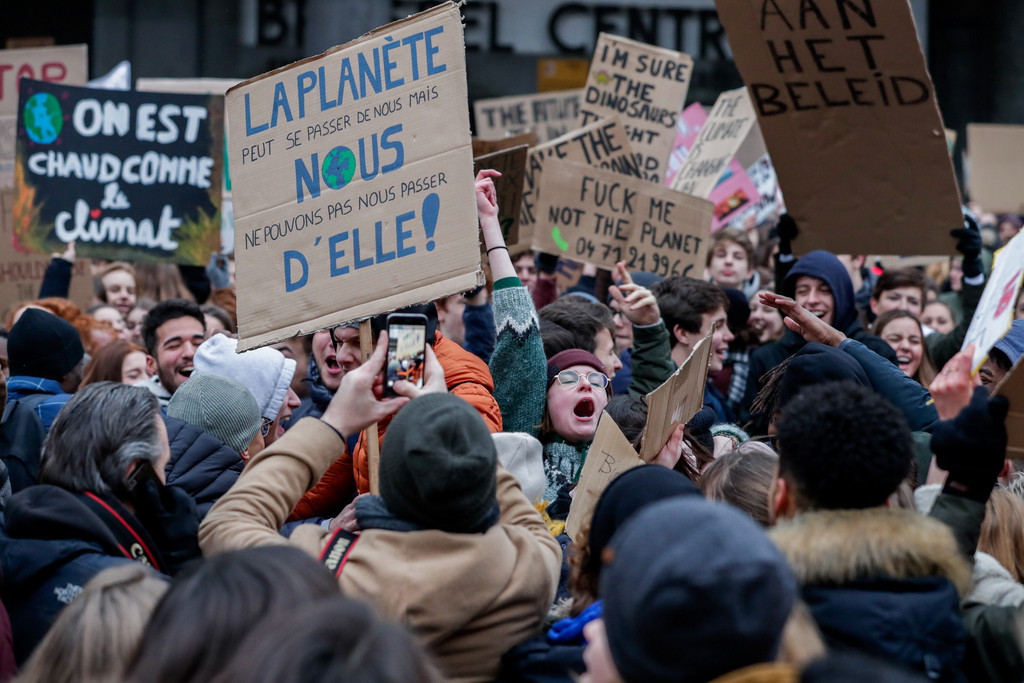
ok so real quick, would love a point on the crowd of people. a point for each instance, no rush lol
(842, 507)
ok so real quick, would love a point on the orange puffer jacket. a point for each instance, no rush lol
(466, 376)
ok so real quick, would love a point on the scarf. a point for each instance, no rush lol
(317, 391)
(133, 541)
(563, 463)
(373, 513)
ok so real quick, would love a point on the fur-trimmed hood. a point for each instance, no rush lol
(836, 547)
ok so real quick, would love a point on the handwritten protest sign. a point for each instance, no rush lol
(484, 147)
(996, 173)
(610, 455)
(691, 120)
(21, 273)
(725, 129)
(352, 181)
(849, 114)
(602, 217)
(645, 86)
(732, 196)
(68, 64)
(550, 114)
(677, 400)
(994, 314)
(1012, 387)
(128, 176)
(601, 144)
(754, 158)
(511, 163)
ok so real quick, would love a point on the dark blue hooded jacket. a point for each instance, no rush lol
(824, 266)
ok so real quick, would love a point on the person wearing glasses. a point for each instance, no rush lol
(558, 401)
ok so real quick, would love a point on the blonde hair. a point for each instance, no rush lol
(744, 478)
(95, 637)
(1002, 532)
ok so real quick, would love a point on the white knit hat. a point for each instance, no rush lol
(523, 456)
(265, 372)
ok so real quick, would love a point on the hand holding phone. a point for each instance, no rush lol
(407, 343)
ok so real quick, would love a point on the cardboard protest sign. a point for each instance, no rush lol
(602, 217)
(1012, 387)
(484, 147)
(352, 181)
(610, 455)
(996, 174)
(601, 144)
(691, 120)
(994, 314)
(677, 400)
(849, 114)
(128, 176)
(645, 86)
(550, 114)
(21, 273)
(68, 64)
(754, 158)
(725, 129)
(732, 196)
(511, 163)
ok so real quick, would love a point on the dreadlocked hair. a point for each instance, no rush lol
(767, 401)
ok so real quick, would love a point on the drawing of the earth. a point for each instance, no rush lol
(339, 167)
(43, 118)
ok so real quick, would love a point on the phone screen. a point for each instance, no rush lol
(406, 349)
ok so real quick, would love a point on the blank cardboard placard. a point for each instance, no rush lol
(677, 400)
(601, 144)
(849, 115)
(610, 455)
(68, 64)
(1012, 387)
(511, 163)
(995, 176)
(645, 86)
(21, 273)
(994, 314)
(601, 217)
(485, 147)
(550, 114)
(728, 124)
(352, 177)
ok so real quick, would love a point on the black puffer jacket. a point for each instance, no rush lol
(200, 463)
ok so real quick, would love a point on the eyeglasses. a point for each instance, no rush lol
(571, 378)
(265, 426)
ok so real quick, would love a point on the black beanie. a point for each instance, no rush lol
(438, 465)
(42, 345)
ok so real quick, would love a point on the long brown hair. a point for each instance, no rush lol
(106, 364)
(744, 478)
(1002, 532)
(160, 281)
(926, 370)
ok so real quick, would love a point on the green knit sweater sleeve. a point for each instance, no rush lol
(518, 364)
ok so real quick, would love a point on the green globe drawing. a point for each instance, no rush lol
(43, 118)
(338, 168)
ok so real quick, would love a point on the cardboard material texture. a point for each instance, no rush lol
(68, 64)
(610, 455)
(601, 217)
(994, 314)
(677, 400)
(691, 120)
(1012, 387)
(126, 175)
(484, 147)
(353, 181)
(645, 86)
(601, 144)
(996, 173)
(511, 163)
(21, 273)
(551, 114)
(721, 136)
(754, 158)
(849, 114)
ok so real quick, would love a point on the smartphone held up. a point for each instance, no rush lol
(407, 345)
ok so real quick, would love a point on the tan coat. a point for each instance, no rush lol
(467, 597)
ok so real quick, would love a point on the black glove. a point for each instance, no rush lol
(787, 232)
(969, 244)
(972, 446)
(169, 515)
(546, 263)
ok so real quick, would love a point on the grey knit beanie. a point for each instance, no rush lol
(220, 406)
